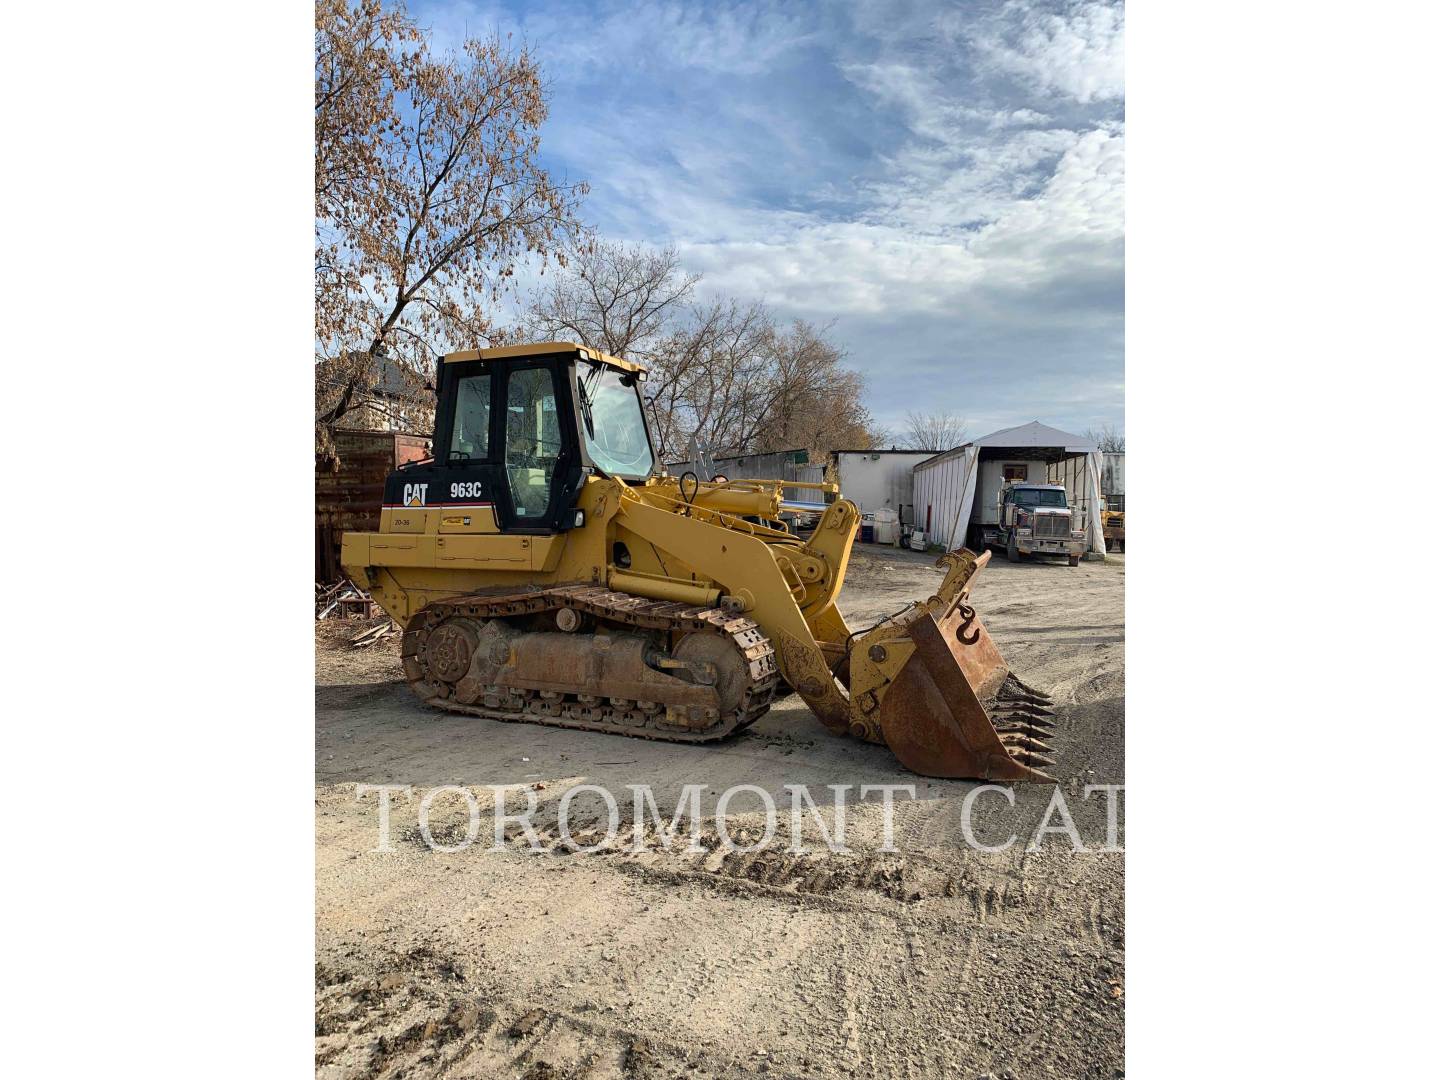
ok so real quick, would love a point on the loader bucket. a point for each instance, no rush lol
(955, 710)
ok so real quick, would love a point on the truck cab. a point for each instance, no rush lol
(1035, 519)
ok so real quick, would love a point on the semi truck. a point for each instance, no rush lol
(1033, 519)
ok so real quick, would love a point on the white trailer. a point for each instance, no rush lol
(993, 474)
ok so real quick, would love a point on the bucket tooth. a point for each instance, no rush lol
(1007, 710)
(1040, 720)
(1024, 745)
(1018, 721)
(1013, 690)
(1021, 731)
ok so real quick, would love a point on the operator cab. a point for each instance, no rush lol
(520, 428)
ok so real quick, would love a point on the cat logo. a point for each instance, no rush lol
(415, 494)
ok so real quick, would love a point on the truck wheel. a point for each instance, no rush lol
(1012, 550)
(1074, 560)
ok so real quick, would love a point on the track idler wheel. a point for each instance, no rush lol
(449, 650)
(714, 661)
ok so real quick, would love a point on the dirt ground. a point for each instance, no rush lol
(934, 960)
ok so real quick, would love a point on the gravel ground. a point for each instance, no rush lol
(933, 960)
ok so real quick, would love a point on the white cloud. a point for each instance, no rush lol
(946, 185)
(1073, 225)
(1079, 52)
(739, 37)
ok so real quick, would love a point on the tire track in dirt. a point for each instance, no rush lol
(932, 962)
(997, 890)
(402, 1023)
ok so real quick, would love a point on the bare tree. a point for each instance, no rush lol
(453, 199)
(721, 372)
(709, 374)
(816, 403)
(1107, 439)
(735, 382)
(362, 54)
(618, 298)
(932, 431)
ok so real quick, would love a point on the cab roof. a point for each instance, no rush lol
(543, 348)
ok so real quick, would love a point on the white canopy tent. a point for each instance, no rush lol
(945, 485)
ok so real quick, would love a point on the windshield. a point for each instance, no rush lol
(1039, 497)
(613, 423)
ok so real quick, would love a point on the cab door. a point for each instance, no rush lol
(539, 452)
(467, 472)
(511, 459)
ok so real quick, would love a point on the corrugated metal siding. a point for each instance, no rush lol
(938, 488)
(1112, 475)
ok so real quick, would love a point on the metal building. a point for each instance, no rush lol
(957, 491)
(878, 479)
(1112, 475)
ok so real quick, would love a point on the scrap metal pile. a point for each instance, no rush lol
(343, 600)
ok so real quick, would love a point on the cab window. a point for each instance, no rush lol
(614, 423)
(532, 440)
(470, 436)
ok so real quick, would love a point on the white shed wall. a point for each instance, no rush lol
(939, 491)
(875, 481)
(1081, 476)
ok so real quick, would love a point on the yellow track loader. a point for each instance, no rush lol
(547, 570)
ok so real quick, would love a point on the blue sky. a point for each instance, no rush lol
(944, 182)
